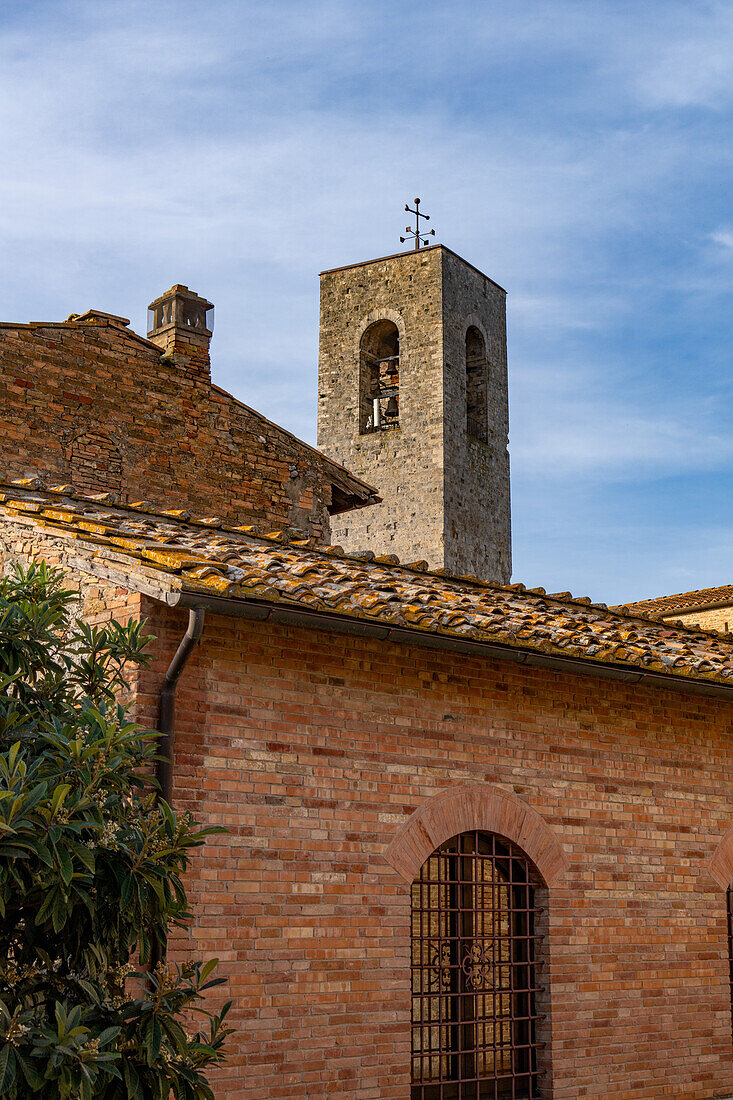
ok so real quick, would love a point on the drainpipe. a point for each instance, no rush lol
(167, 712)
(166, 724)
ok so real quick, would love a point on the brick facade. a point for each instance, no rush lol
(316, 751)
(337, 761)
(92, 403)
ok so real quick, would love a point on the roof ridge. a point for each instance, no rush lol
(120, 325)
(679, 595)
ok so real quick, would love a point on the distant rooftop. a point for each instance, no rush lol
(664, 607)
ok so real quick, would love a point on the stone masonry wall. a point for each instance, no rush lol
(313, 749)
(716, 618)
(477, 503)
(405, 464)
(445, 496)
(91, 403)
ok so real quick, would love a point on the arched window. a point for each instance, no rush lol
(477, 385)
(474, 972)
(380, 377)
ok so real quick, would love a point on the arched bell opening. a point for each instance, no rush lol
(477, 385)
(380, 377)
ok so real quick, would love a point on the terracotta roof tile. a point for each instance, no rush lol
(207, 557)
(665, 606)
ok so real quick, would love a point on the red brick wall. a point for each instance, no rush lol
(94, 405)
(314, 749)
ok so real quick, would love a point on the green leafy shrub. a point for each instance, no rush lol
(90, 870)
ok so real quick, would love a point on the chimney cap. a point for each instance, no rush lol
(178, 290)
(182, 311)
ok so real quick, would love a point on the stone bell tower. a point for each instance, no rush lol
(412, 397)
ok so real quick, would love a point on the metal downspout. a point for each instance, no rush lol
(166, 725)
(167, 712)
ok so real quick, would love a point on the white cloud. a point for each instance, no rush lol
(590, 439)
(241, 148)
(686, 61)
(723, 237)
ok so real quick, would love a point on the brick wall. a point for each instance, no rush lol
(90, 403)
(314, 749)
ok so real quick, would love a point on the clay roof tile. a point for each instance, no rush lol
(242, 564)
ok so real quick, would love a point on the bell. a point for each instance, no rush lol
(393, 408)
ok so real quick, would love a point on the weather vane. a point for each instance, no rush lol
(415, 234)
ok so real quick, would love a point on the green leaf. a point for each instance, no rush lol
(85, 856)
(43, 853)
(46, 906)
(60, 912)
(107, 1035)
(59, 796)
(7, 1068)
(132, 1081)
(153, 1039)
(206, 970)
(66, 865)
(31, 1073)
(74, 769)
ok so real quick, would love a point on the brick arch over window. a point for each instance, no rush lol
(476, 806)
(721, 865)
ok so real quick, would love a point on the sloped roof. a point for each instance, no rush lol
(202, 558)
(348, 490)
(664, 607)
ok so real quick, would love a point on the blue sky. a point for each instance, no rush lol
(578, 152)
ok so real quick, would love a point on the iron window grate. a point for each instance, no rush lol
(474, 1034)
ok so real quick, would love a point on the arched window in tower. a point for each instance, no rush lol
(474, 972)
(380, 377)
(477, 385)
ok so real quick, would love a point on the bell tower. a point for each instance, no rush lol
(412, 397)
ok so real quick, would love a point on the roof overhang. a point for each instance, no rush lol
(290, 615)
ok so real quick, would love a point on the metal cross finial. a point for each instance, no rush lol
(415, 234)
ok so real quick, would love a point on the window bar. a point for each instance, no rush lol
(476, 931)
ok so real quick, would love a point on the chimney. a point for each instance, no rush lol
(180, 323)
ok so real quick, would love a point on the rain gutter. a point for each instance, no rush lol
(325, 620)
